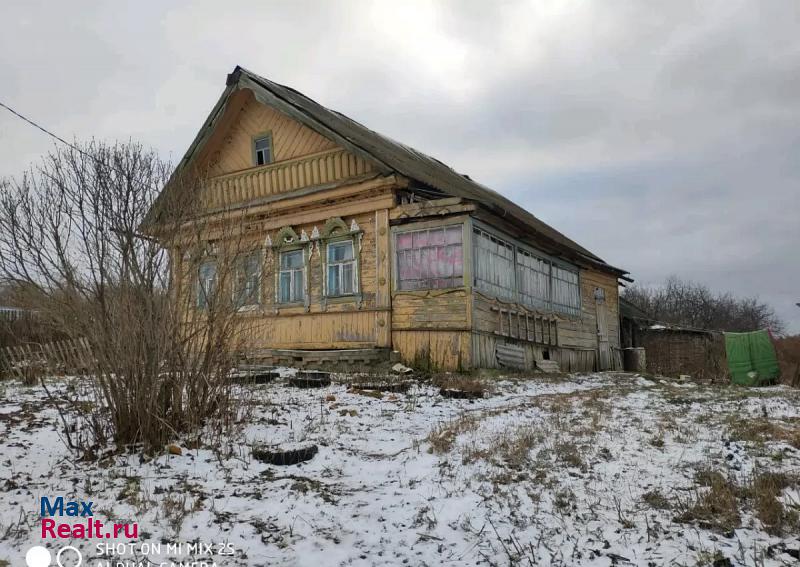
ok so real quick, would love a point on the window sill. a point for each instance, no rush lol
(343, 298)
(426, 292)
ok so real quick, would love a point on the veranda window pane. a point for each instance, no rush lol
(404, 241)
(436, 237)
(453, 235)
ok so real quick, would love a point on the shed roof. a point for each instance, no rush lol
(388, 155)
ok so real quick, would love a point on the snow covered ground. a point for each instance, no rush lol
(601, 469)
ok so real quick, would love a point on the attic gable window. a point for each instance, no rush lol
(262, 150)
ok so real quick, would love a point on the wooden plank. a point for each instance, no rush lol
(382, 279)
(433, 208)
(510, 356)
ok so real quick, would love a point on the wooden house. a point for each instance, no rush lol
(362, 246)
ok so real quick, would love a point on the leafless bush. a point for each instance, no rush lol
(81, 237)
(691, 304)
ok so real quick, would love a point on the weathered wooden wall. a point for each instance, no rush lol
(577, 336)
(582, 332)
(290, 139)
(430, 328)
(342, 322)
(672, 352)
(434, 350)
(484, 347)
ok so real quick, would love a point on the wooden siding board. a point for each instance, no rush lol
(290, 138)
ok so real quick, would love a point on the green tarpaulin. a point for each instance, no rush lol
(751, 358)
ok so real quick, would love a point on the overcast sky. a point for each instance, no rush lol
(663, 138)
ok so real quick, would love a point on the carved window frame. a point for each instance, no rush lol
(337, 230)
(287, 240)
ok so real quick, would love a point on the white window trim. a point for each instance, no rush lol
(259, 291)
(200, 288)
(280, 270)
(256, 139)
(356, 267)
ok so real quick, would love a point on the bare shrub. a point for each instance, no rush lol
(682, 302)
(71, 237)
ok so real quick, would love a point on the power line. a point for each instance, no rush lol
(42, 128)
(73, 146)
(62, 140)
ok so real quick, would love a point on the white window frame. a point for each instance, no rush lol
(265, 136)
(328, 264)
(293, 275)
(205, 291)
(236, 292)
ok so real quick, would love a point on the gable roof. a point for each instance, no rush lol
(387, 154)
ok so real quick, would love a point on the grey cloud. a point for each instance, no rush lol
(662, 136)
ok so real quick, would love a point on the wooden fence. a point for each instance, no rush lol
(10, 314)
(31, 360)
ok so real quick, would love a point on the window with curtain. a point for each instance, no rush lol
(341, 271)
(247, 280)
(430, 258)
(206, 283)
(291, 277)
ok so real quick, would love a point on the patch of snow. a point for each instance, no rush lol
(554, 471)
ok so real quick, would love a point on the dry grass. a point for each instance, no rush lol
(443, 436)
(762, 429)
(464, 383)
(569, 454)
(511, 447)
(716, 508)
(656, 499)
(763, 491)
